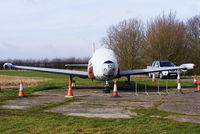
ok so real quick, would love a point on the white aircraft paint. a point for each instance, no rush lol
(104, 63)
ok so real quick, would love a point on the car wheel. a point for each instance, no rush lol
(161, 75)
(175, 77)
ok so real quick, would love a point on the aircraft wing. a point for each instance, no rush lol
(188, 66)
(76, 65)
(50, 70)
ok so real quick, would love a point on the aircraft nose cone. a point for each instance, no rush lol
(108, 69)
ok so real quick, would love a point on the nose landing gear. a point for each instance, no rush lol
(106, 88)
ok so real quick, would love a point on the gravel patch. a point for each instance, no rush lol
(25, 103)
(185, 118)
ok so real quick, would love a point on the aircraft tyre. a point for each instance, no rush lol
(106, 89)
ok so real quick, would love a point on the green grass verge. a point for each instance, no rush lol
(57, 80)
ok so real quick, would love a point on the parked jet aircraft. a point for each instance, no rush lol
(102, 66)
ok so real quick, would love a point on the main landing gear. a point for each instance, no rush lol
(127, 83)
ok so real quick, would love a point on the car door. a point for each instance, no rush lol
(157, 65)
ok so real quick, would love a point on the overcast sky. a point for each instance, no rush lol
(68, 28)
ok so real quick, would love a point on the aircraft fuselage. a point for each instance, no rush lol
(103, 65)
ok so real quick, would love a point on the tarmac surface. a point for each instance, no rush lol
(94, 103)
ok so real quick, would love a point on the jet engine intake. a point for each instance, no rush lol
(7, 66)
(108, 69)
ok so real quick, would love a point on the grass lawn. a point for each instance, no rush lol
(36, 121)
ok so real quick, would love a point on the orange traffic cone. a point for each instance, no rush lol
(195, 80)
(198, 86)
(179, 90)
(69, 91)
(153, 78)
(21, 90)
(115, 92)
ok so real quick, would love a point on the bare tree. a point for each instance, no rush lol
(165, 39)
(126, 40)
(193, 40)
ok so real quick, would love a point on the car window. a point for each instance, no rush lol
(157, 64)
(153, 64)
(166, 64)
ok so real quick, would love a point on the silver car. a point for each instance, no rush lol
(162, 74)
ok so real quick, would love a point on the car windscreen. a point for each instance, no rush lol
(166, 64)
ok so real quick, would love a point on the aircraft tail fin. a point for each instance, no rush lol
(93, 48)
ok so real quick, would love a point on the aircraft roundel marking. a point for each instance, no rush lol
(90, 72)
